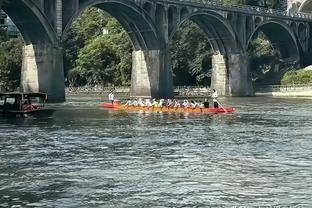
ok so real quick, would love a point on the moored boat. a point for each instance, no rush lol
(18, 104)
(119, 106)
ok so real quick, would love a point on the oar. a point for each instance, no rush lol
(221, 106)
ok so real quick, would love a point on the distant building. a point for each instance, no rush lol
(8, 25)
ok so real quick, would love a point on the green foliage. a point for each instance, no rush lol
(297, 77)
(261, 47)
(85, 35)
(266, 3)
(121, 44)
(11, 63)
(3, 35)
(84, 29)
(96, 62)
(271, 3)
(191, 56)
(263, 58)
(233, 2)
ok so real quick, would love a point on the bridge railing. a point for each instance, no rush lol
(253, 10)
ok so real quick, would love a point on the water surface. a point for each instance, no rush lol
(88, 157)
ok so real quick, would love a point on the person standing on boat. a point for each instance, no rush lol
(111, 97)
(214, 98)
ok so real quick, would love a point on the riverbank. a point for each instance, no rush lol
(192, 92)
(291, 91)
(180, 92)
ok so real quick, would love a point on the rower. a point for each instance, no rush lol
(135, 103)
(214, 99)
(176, 104)
(140, 102)
(154, 103)
(148, 103)
(161, 103)
(170, 103)
(128, 103)
(201, 105)
(206, 103)
(193, 104)
(185, 104)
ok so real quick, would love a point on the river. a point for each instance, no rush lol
(88, 157)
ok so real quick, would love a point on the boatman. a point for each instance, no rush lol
(111, 97)
(214, 98)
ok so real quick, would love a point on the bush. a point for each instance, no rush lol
(297, 77)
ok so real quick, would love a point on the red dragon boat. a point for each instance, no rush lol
(118, 106)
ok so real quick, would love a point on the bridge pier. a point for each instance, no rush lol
(240, 83)
(219, 80)
(42, 71)
(230, 75)
(151, 75)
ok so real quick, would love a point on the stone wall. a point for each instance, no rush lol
(285, 91)
(124, 92)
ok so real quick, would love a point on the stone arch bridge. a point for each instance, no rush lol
(151, 25)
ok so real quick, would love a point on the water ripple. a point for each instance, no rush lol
(88, 157)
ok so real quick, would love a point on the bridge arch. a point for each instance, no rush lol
(148, 7)
(306, 6)
(31, 22)
(281, 37)
(172, 17)
(184, 12)
(218, 29)
(135, 20)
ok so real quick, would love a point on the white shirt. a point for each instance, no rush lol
(148, 103)
(214, 96)
(140, 103)
(135, 103)
(111, 96)
(128, 103)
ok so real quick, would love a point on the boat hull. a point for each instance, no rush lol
(169, 110)
(28, 113)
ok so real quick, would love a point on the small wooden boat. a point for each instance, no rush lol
(18, 104)
(119, 106)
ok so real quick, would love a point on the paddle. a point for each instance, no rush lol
(221, 106)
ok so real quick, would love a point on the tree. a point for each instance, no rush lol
(191, 56)
(263, 58)
(84, 29)
(96, 62)
(271, 3)
(88, 27)
(11, 63)
(123, 48)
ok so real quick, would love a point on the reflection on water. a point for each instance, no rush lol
(88, 157)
